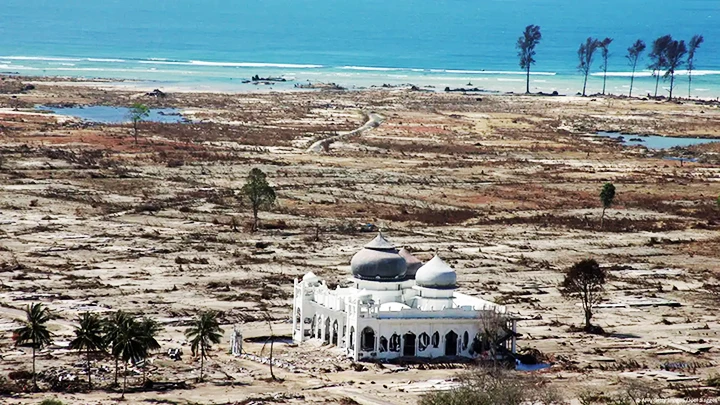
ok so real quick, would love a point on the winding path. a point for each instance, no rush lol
(374, 121)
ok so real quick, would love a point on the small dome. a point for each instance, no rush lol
(436, 274)
(379, 261)
(310, 277)
(413, 263)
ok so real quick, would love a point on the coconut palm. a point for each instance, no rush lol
(113, 327)
(149, 329)
(693, 46)
(204, 331)
(605, 52)
(658, 58)
(633, 56)
(129, 345)
(674, 56)
(34, 331)
(526, 50)
(88, 337)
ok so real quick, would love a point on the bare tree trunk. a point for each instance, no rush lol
(34, 377)
(588, 316)
(585, 83)
(604, 77)
(672, 82)
(89, 371)
(632, 79)
(124, 381)
(135, 129)
(689, 82)
(255, 219)
(657, 82)
(602, 218)
(116, 370)
(202, 361)
(527, 81)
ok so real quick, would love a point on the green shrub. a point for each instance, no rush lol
(51, 401)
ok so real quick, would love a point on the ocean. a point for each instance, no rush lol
(216, 44)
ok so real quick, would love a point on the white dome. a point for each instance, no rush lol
(436, 274)
(310, 277)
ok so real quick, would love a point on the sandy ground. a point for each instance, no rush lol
(506, 187)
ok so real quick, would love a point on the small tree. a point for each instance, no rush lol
(268, 319)
(526, 50)
(633, 56)
(204, 331)
(586, 52)
(258, 193)
(674, 54)
(658, 59)
(693, 46)
(34, 331)
(138, 113)
(607, 195)
(605, 52)
(88, 337)
(585, 281)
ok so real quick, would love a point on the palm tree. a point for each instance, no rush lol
(149, 329)
(633, 56)
(526, 50)
(585, 55)
(35, 331)
(693, 46)
(113, 327)
(658, 58)
(674, 54)
(605, 51)
(204, 331)
(129, 345)
(89, 337)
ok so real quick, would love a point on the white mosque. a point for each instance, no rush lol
(397, 307)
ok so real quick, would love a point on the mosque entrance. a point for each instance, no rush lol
(409, 344)
(451, 343)
(335, 333)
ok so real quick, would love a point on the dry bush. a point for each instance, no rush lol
(432, 216)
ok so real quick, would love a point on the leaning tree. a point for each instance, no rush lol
(674, 56)
(633, 55)
(605, 52)
(693, 46)
(258, 193)
(585, 281)
(526, 50)
(586, 52)
(658, 60)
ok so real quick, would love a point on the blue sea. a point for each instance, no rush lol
(216, 44)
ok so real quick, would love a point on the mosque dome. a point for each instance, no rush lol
(413, 263)
(379, 260)
(436, 274)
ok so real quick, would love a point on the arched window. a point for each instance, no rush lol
(423, 341)
(466, 338)
(383, 344)
(395, 343)
(367, 339)
(436, 340)
(351, 344)
(334, 339)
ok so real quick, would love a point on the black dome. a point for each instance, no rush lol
(379, 260)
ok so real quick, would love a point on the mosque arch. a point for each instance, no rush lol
(367, 339)
(326, 337)
(451, 343)
(383, 344)
(436, 340)
(335, 333)
(466, 339)
(351, 344)
(423, 341)
(395, 343)
(409, 343)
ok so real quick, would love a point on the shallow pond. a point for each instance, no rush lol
(114, 115)
(655, 141)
